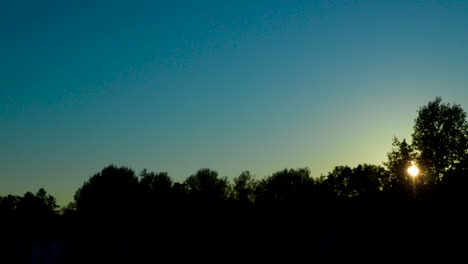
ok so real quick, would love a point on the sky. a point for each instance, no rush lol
(176, 86)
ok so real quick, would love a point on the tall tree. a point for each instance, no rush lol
(441, 138)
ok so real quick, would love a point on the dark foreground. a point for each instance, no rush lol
(401, 233)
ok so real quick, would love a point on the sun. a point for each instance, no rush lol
(413, 170)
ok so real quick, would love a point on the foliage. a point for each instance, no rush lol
(243, 189)
(112, 191)
(361, 181)
(8, 205)
(441, 138)
(287, 185)
(206, 186)
(399, 159)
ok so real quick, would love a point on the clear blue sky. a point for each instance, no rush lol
(230, 85)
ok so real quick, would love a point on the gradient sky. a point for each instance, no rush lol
(230, 85)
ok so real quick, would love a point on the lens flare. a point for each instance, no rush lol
(413, 170)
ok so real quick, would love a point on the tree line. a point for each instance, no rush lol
(439, 148)
(334, 209)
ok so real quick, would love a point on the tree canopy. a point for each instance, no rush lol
(440, 138)
(114, 190)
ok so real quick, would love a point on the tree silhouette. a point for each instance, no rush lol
(399, 159)
(243, 189)
(69, 209)
(157, 194)
(287, 186)
(205, 187)
(39, 205)
(338, 179)
(441, 138)
(111, 192)
(158, 184)
(362, 181)
(8, 205)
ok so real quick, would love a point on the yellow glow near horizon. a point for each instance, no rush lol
(413, 170)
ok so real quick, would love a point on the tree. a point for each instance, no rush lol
(362, 181)
(441, 138)
(157, 185)
(157, 193)
(368, 179)
(287, 186)
(399, 159)
(8, 205)
(39, 205)
(113, 191)
(243, 189)
(205, 186)
(69, 209)
(48, 200)
(338, 179)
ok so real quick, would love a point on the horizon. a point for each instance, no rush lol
(259, 86)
